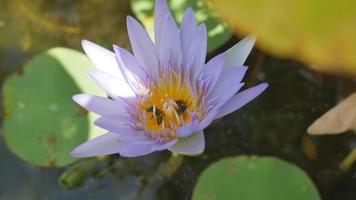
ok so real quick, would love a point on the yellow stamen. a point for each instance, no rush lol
(167, 106)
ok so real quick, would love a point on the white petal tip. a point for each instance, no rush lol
(81, 98)
(238, 53)
(87, 44)
(251, 39)
(84, 41)
(117, 49)
(247, 43)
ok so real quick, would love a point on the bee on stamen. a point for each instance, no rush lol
(159, 117)
(181, 106)
(157, 112)
(149, 109)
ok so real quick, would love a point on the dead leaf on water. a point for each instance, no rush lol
(337, 120)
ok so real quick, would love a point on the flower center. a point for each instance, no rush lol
(167, 106)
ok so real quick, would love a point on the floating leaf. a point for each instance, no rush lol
(218, 32)
(76, 64)
(316, 32)
(254, 178)
(42, 124)
(337, 120)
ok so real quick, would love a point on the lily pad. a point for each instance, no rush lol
(315, 32)
(42, 124)
(218, 32)
(77, 64)
(254, 178)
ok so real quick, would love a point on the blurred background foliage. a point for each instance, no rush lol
(320, 33)
(34, 25)
(218, 32)
(296, 42)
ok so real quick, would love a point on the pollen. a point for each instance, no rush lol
(168, 105)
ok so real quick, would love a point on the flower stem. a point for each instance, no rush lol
(172, 165)
(349, 160)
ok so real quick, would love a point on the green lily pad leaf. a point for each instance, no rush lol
(42, 124)
(315, 32)
(218, 32)
(254, 178)
(77, 64)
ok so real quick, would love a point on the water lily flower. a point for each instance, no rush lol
(164, 94)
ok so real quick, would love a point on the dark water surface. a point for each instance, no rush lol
(274, 124)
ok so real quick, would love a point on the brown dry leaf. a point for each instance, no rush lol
(337, 120)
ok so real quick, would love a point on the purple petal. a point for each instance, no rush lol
(241, 99)
(221, 100)
(236, 73)
(237, 55)
(115, 123)
(133, 136)
(142, 46)
(161, 11)
(163, 146)
(140, 148)
(169, 46)
(187, 129)
(197, 52)
(103, 59)
(133, 149)
(192, 145)
(188, 30)
(106, 144)
(210, 117)
(213, 69)
(99, 105)
(131, 68)
(227, 85)
(113, 86)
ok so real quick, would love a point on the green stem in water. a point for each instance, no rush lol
(75, 174)
(172, 165)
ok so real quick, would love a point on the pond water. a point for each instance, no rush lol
(274, 124)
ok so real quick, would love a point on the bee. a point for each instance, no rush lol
(181, 106)
(159, 117)
(149, 109)
(158, 113)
